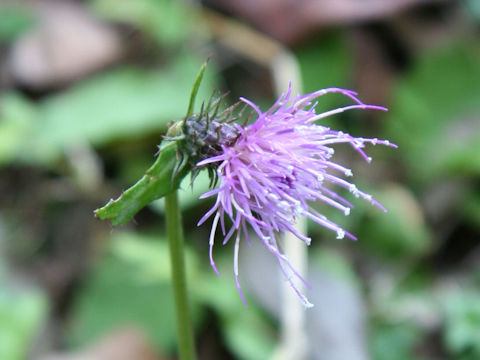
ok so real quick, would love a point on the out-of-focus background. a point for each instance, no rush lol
(86, 91)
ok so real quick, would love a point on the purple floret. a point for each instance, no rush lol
(276, 168)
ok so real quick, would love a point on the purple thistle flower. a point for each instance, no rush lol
(276, 168)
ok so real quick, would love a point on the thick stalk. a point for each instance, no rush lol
(186, 346)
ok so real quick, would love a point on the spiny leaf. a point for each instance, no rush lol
(158, 181)
(164, 177)
(195, 88)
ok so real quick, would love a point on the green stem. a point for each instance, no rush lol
(186, 346)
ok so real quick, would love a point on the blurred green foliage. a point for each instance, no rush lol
(122, 103)
(471, 207)
(130, 286)
(14, 21)
(401, 233)
(473, 7)
(462, 324)
(23, 309)
(335, 264)
(189, 194)
(21, 315)
(327, 62)
(434, 113)
(249, 336)
(167, 22)
(395, 341)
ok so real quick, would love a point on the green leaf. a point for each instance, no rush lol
(157, 182)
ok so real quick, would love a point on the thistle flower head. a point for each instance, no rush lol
(276, 168)
(206, 132)
(202, 135)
